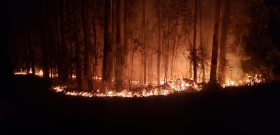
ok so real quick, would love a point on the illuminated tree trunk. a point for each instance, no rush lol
(108, 48)
(144, 53)
(223, 41)
(126, 39)
(159, 42)
(202, 49)
(214, 59)
(194, 57)
(120, 61)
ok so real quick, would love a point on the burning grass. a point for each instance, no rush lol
(171, 87)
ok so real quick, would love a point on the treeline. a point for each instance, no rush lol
(125, 42)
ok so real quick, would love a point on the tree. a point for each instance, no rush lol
(159, 40)
(214, 58)
(108, 48)
(223, 40)
(120, 59)
(45, 48)
(87, 61)
(202, 49)
(194, 57)
(144, 49)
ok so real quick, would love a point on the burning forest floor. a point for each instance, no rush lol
(28, 106)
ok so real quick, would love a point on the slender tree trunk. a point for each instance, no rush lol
(126, 47)
(58, 38)
(223, 41)
(202, 49)
(95, 64)
(63, 68)
(214, 59)
(78, 63)
(159, 42)
(144, 53)
(26, 53)
(194, 45)
(108, 48)
(120, 61)
(87, 63)
(45, 44)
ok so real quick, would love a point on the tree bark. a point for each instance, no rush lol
(214, 59)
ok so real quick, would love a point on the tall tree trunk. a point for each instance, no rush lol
(30, 53)
(78, 63)
(120, 61)
(58, 38)
(45, 47)
(202, 49)
(159, 42)
(126, 46)
(223, 41)
(26, 53)
(194, 45)
(87, 63)
(214, 59)
(108, 48)
(144, 53)
(95, 64)
(63, 67)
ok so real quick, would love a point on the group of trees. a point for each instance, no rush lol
(124, 41)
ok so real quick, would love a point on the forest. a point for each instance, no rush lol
(139, 66)
(93, 45)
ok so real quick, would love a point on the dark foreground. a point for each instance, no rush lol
(28, 107)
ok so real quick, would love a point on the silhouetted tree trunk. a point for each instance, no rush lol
(78, 62)
(214, 59)
(45, 44)
(120, 61)
(29, 54)
(223, 40)
(126, 47)
(87, 63)
(108, 48)
(63, 59)
(95, 62)
(202, 49)
(194, 55)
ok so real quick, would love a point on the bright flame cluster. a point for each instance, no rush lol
(170, 88)
(247, 80)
